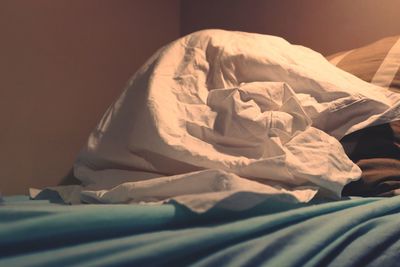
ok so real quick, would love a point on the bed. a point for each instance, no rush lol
(243, 228)
(355, 232)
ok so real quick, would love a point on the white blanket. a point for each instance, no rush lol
(218, 114)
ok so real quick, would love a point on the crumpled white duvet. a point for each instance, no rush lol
(218, 116)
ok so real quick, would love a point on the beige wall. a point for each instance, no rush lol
(325, 25)
(62, 62)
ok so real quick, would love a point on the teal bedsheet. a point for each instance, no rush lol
(356, 232)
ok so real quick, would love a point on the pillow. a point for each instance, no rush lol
(377, 63)
(376, 150)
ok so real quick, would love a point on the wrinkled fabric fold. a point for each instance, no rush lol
(251, 106)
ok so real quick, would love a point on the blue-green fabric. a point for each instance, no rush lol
(356, 232)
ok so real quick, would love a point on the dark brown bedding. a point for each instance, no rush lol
(376, 151)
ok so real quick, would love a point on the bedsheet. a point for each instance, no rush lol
(354, 232)
(219, 112)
